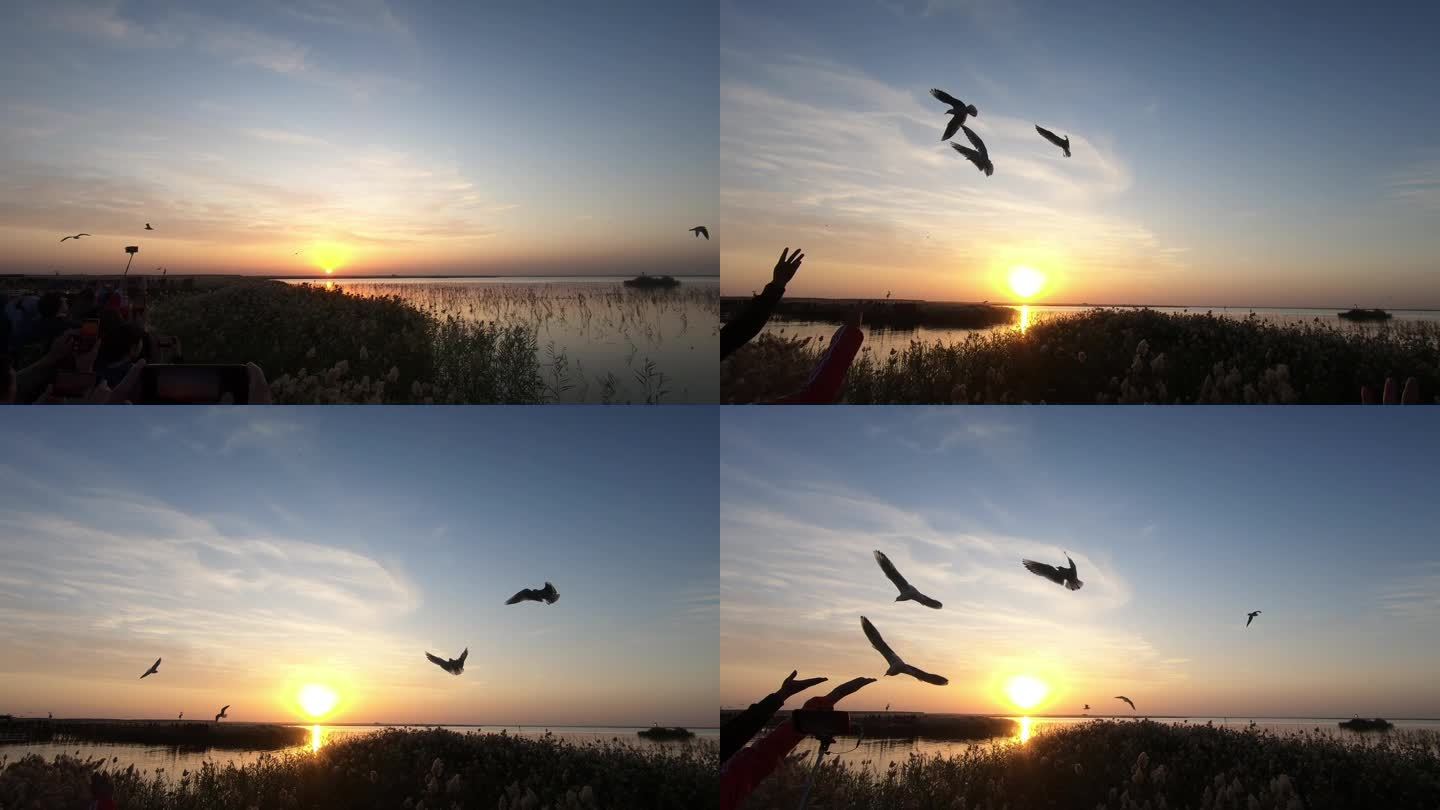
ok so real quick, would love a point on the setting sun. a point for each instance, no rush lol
(317, 700)
(1025, 691)
(1026, 281)
(329, 257)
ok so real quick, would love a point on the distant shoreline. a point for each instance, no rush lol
(27, 718)
(733, 298)
(269, 277)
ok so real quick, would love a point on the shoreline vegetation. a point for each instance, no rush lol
(395, 769)
(887, 314)
(1111, 356)
(183, 733)
(1136, 764)
(908, 726)
(666, 733)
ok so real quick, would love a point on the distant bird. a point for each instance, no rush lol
(1063, 143)
(958, 108)
(1087, 707)
(297, 253)
(222, 713)
(454, 666)
(547, 594)
(887, 293)
(181, 717)
(76, 236)
(1059, 576)
(980, 156)
(1250, 617)
(154, 668)
(148, 228)
(701, 230)
(1127, 700)
(907, 591)
(897, 666)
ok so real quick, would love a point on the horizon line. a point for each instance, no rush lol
(1059, 304)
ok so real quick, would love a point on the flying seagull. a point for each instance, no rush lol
(154, 668)
(907, 591)
(454, 666)
(181, 717)
(1250, 617)
(1059, 576)
(1087, 707)
(1063, 143)
(1127, 700)
(701, 230)
(222, 713)
(980, 156)
(547, 594)
(148, 228)
(958, 108)
(897, 667)
(76, 236)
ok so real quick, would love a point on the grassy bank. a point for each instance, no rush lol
(324, 346)
(886, 314)
(194, 733)
(1137, 765)
(398, 769)
(1109, 356)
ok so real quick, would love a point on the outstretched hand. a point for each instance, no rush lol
(1393, 395)
(791, 687)
(847, 689)
(786, 267)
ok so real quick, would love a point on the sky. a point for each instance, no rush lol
(260, 551)
(551, 137)
(1180, 524)
(1222, 154)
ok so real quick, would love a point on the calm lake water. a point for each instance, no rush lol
(175, 760)
(599, 340)
(881, 341)
(879, 754)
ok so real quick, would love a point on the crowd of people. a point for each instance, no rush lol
(85, 344)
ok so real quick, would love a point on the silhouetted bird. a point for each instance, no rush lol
(980, 156)
(1087, 707)
(154, 668)
(1063, 143)
(907, 591)
(547, 594)
(181, 717)
(1059, 576)
(1250, 617)
(958, 108)
(222, 713)
(701, 230)
(148, 228)
(897, 666)
(454, 666)
(76, 236)
(1127, 700)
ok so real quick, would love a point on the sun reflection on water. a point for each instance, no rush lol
(315, 739)
(1024, 318)
(1024, 730)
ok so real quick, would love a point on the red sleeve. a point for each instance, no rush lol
(829, 376)
(749, 766)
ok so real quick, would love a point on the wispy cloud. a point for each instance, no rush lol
(281, 136)
(1415, 597)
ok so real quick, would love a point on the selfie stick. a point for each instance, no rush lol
(819, 755)
(132, 250)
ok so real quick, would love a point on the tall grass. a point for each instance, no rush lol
(1112, 765)
(324, 346)
(436, 769)
(1110, 356)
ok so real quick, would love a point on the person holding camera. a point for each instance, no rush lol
(747, 768)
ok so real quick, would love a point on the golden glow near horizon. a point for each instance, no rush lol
(317, 700)
(1024, 318)
(1025, 729)
(314, 739)
(329, 256)
(1026, 691)
(1026, 281)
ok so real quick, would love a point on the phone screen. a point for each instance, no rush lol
(194, 384)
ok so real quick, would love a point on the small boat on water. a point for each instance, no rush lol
(645, 282)
(663, 733)
(1366, 315)
(1363, 724)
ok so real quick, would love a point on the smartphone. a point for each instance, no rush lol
(89, 333)
(821, 723)
(71, 384)
(178, 384)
